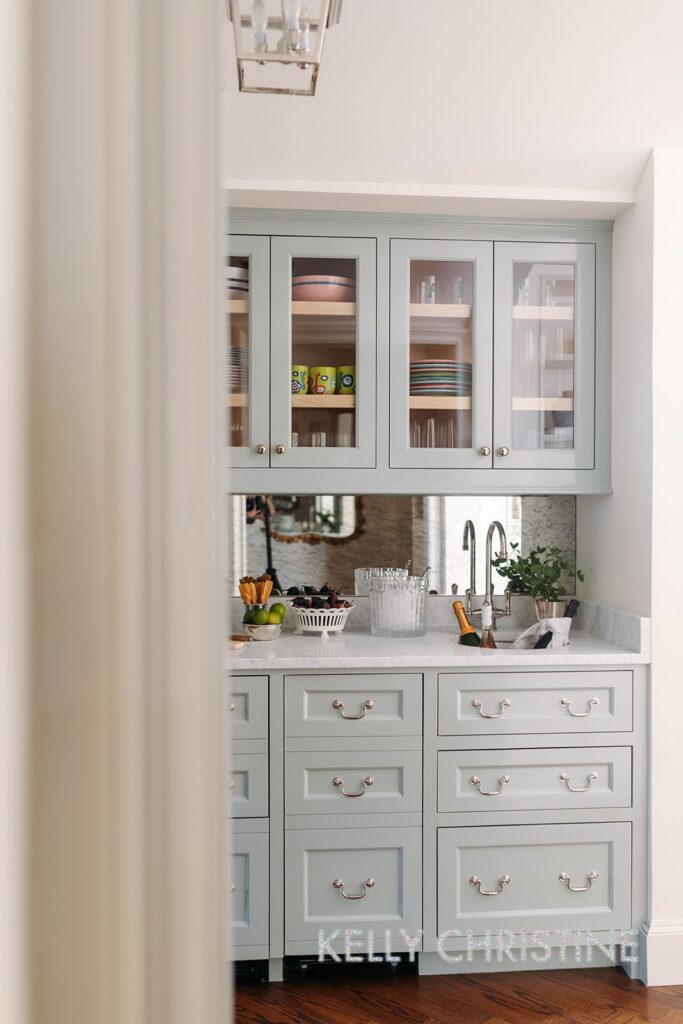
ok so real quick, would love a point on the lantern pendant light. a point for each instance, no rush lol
(279, 43)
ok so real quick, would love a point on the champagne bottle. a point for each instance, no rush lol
(468, 634)
(487, 626)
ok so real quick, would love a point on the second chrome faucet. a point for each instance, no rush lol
(469, 544)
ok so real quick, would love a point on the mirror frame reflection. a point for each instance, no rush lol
(289, 505)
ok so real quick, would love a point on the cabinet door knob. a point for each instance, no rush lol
(503, 451)
(279, 449)
(484, 450)
(261, 449)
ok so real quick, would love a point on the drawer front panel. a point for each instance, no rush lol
(547, 779)
(247, 707)
(248, 889)
(248, 786)
(316, 860)
(353, 782)
(499, 703)
(353, 705)
(475, 862)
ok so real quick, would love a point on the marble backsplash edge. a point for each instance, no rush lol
(621, 628)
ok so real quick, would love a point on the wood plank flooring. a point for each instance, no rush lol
(587, 996)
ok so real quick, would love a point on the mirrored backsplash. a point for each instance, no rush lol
(323, 538)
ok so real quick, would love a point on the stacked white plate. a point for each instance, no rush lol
(237, 370)
(237, 282)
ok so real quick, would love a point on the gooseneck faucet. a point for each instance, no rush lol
(488, 596)
(503, 553)
(469, 543)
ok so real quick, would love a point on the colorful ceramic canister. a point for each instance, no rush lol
(323, 380)
(300, 380)
(346, 380)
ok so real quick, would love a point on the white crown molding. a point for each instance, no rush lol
(411, 197)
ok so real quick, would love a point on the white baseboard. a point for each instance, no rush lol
(661, 952)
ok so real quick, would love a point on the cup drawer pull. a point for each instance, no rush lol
(367, 884)
(593, 703)
(367, 705)
(590, 779)
(504, 705)
(339, 783)
(502, 781)
(564, 877)
(502, 882)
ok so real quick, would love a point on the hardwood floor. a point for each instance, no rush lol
(587, 996)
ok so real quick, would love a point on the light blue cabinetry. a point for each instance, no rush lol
(534, 877)
(247, 786)
(395, 804)
(481, 354)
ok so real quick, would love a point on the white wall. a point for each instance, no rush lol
(614, 531)
(453, 93)
(628, 541)
(665, 932)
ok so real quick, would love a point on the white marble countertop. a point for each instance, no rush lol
(438, 649)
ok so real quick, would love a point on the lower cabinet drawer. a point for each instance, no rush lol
(247, 707)
(349, 705)
(502, 703)
(545, 779)
(369, 879)
(248, 889)
(534, 877)
(352, 782)
(248, 786)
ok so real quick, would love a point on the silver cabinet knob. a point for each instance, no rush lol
(484, 450)
(279, 449)
(503, 451)
(261, 449)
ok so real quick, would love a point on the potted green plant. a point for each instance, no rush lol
(541, 575)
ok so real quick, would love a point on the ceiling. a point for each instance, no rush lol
(440, 98)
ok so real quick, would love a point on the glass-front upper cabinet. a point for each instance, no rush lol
(441, 354)
(247, 295)
(544, 355)
(323, 352)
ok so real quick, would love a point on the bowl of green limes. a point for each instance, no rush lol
(263, 623)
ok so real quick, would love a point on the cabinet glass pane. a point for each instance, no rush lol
(543, 355)
(323, 381)
(237, 361)
(440, 379)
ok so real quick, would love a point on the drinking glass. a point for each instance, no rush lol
(431, 433)
(364, 577)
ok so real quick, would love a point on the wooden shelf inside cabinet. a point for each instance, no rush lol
(323, 308)
(323, 401)
(435, 402)
(234, 306)
(440, 309)
(237, 401)
(543, 404)
(542, 312)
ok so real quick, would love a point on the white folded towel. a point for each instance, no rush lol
(558, 627)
